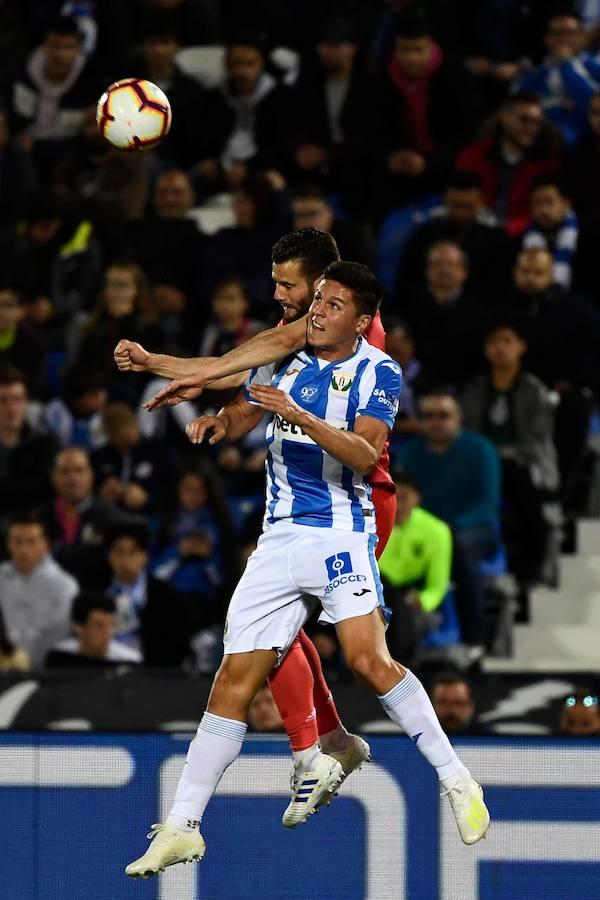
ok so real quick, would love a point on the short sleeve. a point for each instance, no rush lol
(379, 392)
(262, 375)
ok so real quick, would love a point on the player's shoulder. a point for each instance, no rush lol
(378, 359)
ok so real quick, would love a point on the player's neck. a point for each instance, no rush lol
(339, 351)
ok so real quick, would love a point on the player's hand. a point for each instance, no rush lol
(276, 401)
(197, 429)
(177, 391)
(131, 357)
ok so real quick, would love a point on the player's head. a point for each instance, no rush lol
(580, 714)
(345, 302)
(298, 260)
(452, 700)
(93, 617)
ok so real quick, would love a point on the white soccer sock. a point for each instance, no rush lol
(408, 705)
(304, 760)
(216, 745)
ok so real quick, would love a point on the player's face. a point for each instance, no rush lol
(413, 55)
(291, 289)
(533, 272)
(96, 633)
(13, 405)
(27, 546)
(504, 348)
(334, 320)
(548, 207)
(72, 476)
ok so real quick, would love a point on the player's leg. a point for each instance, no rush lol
(292, 684)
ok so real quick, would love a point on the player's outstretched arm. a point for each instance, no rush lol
(231, 370)
(132, 357)
(359, 449)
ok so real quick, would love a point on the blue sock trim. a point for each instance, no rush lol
(227, 728)
(409, 685)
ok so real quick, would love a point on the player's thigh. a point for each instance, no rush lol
(363, 637)
(267, 610)
(339, 568)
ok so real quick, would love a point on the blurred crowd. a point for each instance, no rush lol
(454, 147)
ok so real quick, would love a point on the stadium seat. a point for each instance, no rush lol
(205, 64)
(500, 592)
(448, 630)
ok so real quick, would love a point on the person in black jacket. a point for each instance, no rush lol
(425, 110)
(249, 116)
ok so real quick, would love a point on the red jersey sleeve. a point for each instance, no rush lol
(375, 333)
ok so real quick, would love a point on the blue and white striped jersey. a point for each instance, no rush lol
(306, 485)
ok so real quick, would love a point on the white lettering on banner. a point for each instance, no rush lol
(259, 776)
(94, 767)
(521, 768)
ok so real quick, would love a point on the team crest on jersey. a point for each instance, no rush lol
(341, 382)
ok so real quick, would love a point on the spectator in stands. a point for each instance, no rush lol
(453, 702)
(263, 714)
(250, 116)
(424, 113)
(194, 21)
(415, 566)
(312, 209)
(20, 346)
(12, 658)
(567, 78)
(443, 317)
(580, 715)
(51, 92)
(168, 248)
(17, 175)
(53, 261)
(521, 148)
(231, 324)
(400, 345)
(132, 471)
(515, 411)
(76, 520)
(583, 166)
(554, 227)
(151, 617)
(334, 95)
(35, 592)
(98, 182)
(76, 416)
(93, 616)
(243, 248)
(123, 310)
(459, 475)
(463, 219)
(26, 454)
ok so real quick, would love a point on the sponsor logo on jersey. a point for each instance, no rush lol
(341, 382)
(390, 401)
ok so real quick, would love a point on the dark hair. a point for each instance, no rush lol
(392, 324)
(310, 191)
(440, 392)
(561, 10)
(136, 529)
(87, 601)
(552, 181)
(6, 645)
(449, 242)
(528, 97)
(404, 478)
(449, 676)
(314, 250)
(367, 292)
(64, 25)
(79, 380)
(244, 38)
(412, 25)
(464, 180)
(505, 324)
(28, 518)
(11, 375)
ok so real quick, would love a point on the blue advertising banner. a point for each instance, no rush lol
(75, 810)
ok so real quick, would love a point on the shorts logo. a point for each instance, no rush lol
(341, 381)
(307, 393)
(337, 565)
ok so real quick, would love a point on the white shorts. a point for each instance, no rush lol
(292, 569)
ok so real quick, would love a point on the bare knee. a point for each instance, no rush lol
(229, 694)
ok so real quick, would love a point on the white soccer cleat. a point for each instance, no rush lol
(356, 753)
(470, 811)
(169, 846)
(311, 789)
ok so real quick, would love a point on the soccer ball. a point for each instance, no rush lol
(133, 114)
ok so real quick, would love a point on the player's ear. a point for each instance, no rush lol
(362, 323)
